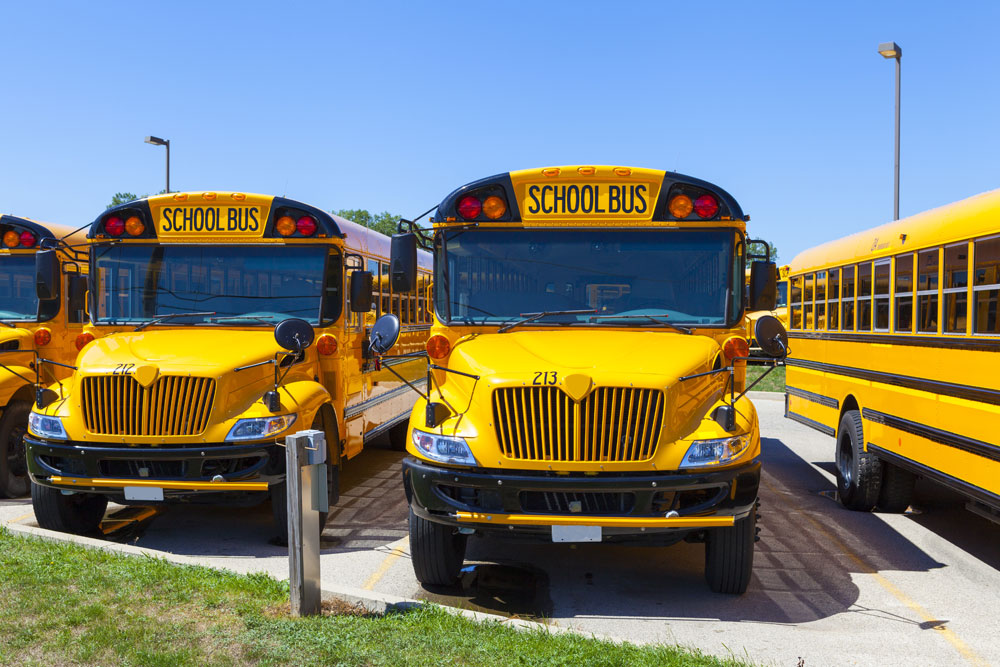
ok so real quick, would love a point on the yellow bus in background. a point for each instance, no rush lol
(587, 358)
(896, 354)
(190, 387)
(31, 329)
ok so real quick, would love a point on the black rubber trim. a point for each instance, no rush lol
(978, 394)
(977, 447)
(963, 487)
(918, 340)
(822, 428)
(815, 398)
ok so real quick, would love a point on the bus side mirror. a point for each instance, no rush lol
(46, 275)
(403, 263)
(361, 291)
(771, 336)
(763, 286)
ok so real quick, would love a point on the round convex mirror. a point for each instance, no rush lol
(293, 334)
(771, 336)
(384, 334)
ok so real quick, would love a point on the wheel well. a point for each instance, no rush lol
(332, 430)
(849, 403)
(24, 393)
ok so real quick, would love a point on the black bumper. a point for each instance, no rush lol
(437, 493)
(258, 462)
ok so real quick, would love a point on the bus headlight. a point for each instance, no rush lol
(714, 452)
(447, 449)
(259, 428)
(46, 427)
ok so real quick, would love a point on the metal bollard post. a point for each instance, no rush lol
(305, 481)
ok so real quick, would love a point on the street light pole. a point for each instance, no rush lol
(893, 50)
(156, 141)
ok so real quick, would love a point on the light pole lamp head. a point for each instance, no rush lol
(156, 141)
(890, 50)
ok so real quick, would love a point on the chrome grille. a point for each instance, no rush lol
(617, 424)
(172, 405)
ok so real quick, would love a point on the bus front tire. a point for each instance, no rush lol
(859, 473)
(729, 555)
(77, 513)
(436, 550)
(897, 489)
(14, 481)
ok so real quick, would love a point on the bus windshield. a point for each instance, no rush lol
(245, 285)
(685, 277)
(18, 301)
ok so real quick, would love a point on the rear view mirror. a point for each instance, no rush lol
(403, 263)
(384, 334)
(763, 286)
(361, 291)
(294, 334)
(771, 336)
(46, 275)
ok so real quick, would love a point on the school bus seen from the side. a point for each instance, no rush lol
(32, 329)
(896, 354)
(186, 393)
(580, 387)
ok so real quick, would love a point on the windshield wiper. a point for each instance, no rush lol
(169, 316)
(651, 318)
(531, 317)
(259, 318)
(10, 324)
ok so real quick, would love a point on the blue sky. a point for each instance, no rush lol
(390, 106)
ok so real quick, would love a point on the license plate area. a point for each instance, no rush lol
(576, 533)
(143, 493)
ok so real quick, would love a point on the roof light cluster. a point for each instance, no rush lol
(706, 206)
(25, 239)
(288, 225)
(118, 226)
(472, 207)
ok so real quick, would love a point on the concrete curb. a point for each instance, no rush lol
(371, 601)
(766, 395)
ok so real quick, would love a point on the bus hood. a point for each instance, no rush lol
(191, 350)
(15, 339)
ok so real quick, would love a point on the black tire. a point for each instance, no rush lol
(859, 473)
(397, 435)
(14, 480)
(897, 489)
(79, 513)
(436, 550)
(279, 492)
(729, 555)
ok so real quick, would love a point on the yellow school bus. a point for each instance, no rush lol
(587, 363)
(779, 311)
(33, 330)
(190, 386)
(895, 354)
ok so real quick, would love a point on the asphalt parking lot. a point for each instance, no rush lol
(831, 587)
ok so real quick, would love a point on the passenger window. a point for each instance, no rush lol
(795, 299)
(956, 282)
(987, 285)
(927, 291)
(833, 309)
(821, 300)
(903, 294)
(807, 296)
(882, 296)
(847, 301)
(864, 297)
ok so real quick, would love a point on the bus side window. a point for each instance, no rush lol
(987, 285)
(820, 300)
(903, 294)
(927, 291)
(882, 295)
(807, 297)
(847, 301)
(833, 296)
(373, 269)
(795, 301)
(956, 282)
(865, 297)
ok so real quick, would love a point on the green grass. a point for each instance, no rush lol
(63, 604)
(775, 381)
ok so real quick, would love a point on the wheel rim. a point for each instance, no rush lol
(845, 459)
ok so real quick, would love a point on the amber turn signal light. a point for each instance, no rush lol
(438, 346)
(285, 225)
(134, 226)
(681, 206)
(11, 239)
(326, 345)
(83, 339)
(494, 207)
(43, 337)
(736, 346)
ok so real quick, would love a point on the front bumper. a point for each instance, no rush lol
(624, 505)
(185, 473)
